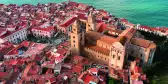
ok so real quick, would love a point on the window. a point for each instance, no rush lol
(141, 55)
(74, 41)
(88, 25)
(74, 45)
(119, 58)
(73, 36)
(105, 58)
(113, 56)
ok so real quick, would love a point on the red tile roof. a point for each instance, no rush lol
(78, 58)
(8, 33)
(48, 29)
(141, 42)
(3, 31)
(52, 80)
(13, 62)
(146, 27)
(87, 78)
(25, 43)
(20, 62)
(69, 22)
(4, 75)
(33, 70)
(124, 20)
(5, 48)
(99, 49)
(77, 69)
(62, 51)
(82, 16)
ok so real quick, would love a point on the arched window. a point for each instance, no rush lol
(119, 58)
(113, 56)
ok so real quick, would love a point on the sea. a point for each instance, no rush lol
(145, 12)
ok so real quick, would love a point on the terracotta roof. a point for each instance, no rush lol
(146, 27)
(124, 20)
(99, 49)
(78, 58)
(48, 29)
(61, 51)
(141, 42)
(69, 22)
(8, 33)
(87, 78)
(52, 80)
(77, 69)
(82, 16)
(13, 62)
(4, 75)
(108, 39)
(3, 31)
(94, 36)
(5, 48)
(33, 70)
(98, 26)
(102, 27)
(25, 43)
(115, 30)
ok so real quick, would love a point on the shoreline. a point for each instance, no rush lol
(94, 7)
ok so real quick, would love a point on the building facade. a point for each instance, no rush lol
(43, 32)
(14, 36)
(109, 50)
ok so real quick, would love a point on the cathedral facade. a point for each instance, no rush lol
(109, 50)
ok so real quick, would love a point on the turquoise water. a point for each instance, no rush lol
(146, 12)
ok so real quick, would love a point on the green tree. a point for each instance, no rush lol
(112, 81)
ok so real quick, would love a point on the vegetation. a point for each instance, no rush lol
(44, 70)
(112, 81)
(158, 72)
(38, 40)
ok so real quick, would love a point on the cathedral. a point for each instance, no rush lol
(113, 51)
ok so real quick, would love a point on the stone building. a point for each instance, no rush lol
(106, 49)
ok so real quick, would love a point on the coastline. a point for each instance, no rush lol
(131, 17)
(47, 22)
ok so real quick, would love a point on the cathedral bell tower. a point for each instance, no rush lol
(76, 38)
(91, 24)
